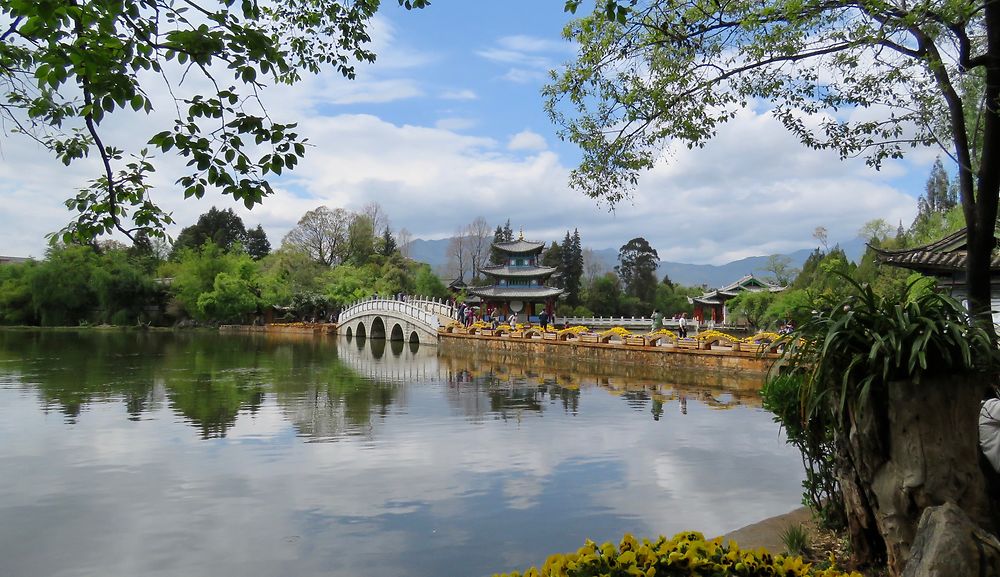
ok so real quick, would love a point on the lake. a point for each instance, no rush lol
(162, 453)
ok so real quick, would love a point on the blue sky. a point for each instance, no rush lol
(448, 125)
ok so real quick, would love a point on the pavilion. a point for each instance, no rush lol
(711, 306)
(519, 281)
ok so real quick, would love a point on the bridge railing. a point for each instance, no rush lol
(418, 309)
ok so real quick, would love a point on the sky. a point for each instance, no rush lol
(448, 125)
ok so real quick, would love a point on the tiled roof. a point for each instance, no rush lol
(519, 271)
(516, 292)
(946, 255)
(519, 246)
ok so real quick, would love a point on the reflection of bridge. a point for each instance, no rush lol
(413, 319)
(390, 362)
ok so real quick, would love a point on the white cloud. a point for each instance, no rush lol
(527, 140)
(464, 94)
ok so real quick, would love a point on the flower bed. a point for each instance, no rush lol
(686, 555)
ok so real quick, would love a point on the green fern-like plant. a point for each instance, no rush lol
(864, 340)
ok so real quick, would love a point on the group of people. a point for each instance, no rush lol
(468, 315)
(682, 331)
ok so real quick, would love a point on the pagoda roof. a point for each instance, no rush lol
(518, 271)
(519, 246)
(516, 292)
(945, 255)
(749, 282)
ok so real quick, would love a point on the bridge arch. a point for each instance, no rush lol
(397, 333)
(360, 331)
(414, 339)
(349, 332)
(378, 328)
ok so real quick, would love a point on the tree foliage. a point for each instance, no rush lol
(66, 67)
(322, 234)
(637, 263)
(861, 78)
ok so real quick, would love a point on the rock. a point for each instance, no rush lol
(949, 544)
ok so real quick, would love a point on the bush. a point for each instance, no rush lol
(813, 436)
(687, 554)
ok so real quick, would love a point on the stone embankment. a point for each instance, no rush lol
(685, 356)
(282, 328)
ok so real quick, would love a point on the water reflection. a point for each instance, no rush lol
(303, 456)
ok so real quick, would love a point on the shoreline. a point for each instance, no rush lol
(767, 532)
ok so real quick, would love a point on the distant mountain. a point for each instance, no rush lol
(432, 252)
(435, 253)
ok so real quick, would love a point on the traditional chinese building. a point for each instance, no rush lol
(711, 306)
(519, 281)
(945, 261)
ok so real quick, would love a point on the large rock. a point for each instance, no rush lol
(949, 544)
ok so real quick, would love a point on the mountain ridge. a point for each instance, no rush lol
(435, 253)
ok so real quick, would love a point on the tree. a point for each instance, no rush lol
(458, 254)
(322, 234)
(257, 245)
(781, 269)
(653, 71)
(360, 240)
(387, 246)
(753, 306)
(404, 238)
(820, 234)
(938, 193)
(477, 237)
(223, 228)
(573, 269)
(66, 67)
(502, 234)
(637, 269)
(604, 295)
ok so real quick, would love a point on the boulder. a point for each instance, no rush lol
(949, 544)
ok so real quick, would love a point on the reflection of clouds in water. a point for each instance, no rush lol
(522, 492)
(439, 481)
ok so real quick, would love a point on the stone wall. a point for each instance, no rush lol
(717, 361)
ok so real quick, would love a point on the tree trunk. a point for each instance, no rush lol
(913, 446)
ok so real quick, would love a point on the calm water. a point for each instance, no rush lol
(143, 454)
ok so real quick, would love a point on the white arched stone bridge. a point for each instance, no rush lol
(412, 319)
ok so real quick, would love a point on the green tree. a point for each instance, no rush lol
(68, 66)
(286, 273)
(256, 243)
(224, 228)
(637, 263)
(195, 274)
(654, 71)
(604, 295)
(123, 288)
(360, 240)
(62, 286)
(15, 294)
(753, 306)
(427, 283)
(387, 246)
(234, 296)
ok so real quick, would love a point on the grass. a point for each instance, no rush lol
(795, 539)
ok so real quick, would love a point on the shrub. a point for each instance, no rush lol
(687, 554)
(813, 436)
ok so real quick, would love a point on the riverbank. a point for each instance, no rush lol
(715, 360)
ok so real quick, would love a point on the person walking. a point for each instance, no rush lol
(543, 319)
(682, 327)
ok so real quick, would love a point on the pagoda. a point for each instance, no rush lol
(518, 281)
